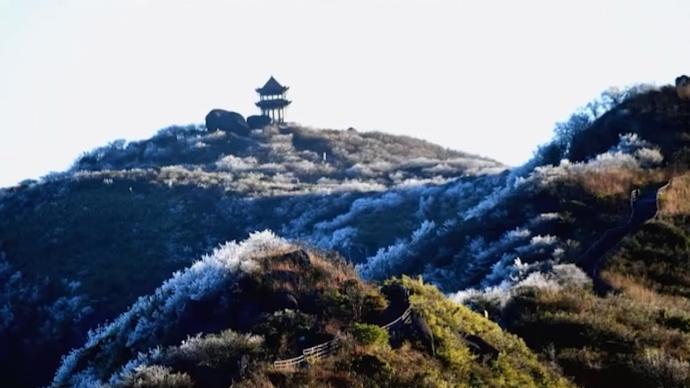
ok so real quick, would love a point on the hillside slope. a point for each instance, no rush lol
(551, 210)
(248, 304)
(631, 328)
(638, 335)
(557, 250)
(78, 247)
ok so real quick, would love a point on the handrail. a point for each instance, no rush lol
(320, 347)
(317, 352)
(401, 318)
(290, 360)
(288, 363)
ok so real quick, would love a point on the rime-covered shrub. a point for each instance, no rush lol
(147, 323)
(556, 278)
(156, 376)
(314, 161)
(38, 314)
(387, 261)
(216, 350)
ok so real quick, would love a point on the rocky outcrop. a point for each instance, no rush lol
(480, 347)
(258, 122)
(226, 121)
(422, 330)
(397, 295)
(683, 87)
(398, 301)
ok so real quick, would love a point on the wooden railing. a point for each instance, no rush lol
(309, 355)
(290, 363)
(318, 352)
(404, 318)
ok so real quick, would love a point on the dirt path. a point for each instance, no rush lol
(642, 210)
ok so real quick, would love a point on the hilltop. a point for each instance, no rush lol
(279, 160)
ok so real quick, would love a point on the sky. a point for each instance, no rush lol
(486, 77)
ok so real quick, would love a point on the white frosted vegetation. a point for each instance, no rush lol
(276, 163)
(554, 278)
(55, 310)
(235, 163)
(157, 376)
(217, 350)
(388, 259)
(139, 327)
(631, 154)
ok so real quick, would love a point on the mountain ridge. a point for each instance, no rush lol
(505, 242)
(125, 216)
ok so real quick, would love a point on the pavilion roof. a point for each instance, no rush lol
(272, 87)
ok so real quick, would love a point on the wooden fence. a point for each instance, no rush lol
(315, 353)
(403, 319)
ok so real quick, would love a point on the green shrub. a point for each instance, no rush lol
(353, 301)
(370, 335)
(516, 366)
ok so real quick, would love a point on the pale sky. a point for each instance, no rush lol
(488, 77)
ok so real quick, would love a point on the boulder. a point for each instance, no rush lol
(398, 301)
(480, 347)
(258, 122)
(422, 331)
(397, 294)
(226, 121)
(683, 87)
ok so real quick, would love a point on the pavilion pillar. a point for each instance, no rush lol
(272, 101)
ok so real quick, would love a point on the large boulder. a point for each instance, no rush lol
(683, 87)
(258, 122)
(398, 301)
(422, 330)
(480, 347)
(398, 295)
(226, 121)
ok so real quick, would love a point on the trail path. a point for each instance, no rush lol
(643, 208)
